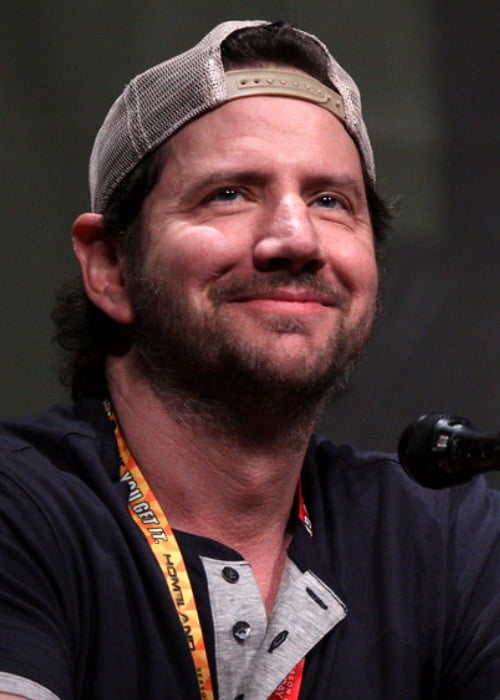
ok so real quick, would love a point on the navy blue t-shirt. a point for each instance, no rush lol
(84, 610)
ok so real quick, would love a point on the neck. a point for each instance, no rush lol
(207, 474)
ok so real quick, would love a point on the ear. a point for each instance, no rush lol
(101, 268)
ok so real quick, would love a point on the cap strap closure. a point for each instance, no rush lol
(262, 81)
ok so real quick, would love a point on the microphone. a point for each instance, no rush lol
(439, 450)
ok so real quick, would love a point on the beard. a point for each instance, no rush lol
(200, 364)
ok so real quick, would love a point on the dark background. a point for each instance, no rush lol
(428, 72)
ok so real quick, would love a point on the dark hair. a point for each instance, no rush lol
(277, 44)
(84, 333)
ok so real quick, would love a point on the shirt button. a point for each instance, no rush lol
(229, 574)
(241, 631)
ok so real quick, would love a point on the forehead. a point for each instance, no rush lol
(269, 130)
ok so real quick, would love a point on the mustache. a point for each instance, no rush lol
(223, 290)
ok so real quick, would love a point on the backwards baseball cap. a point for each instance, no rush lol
(158, 102)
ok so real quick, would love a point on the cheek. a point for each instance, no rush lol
(368, 273)
(365, 291)
(191, 256)
(353, 261)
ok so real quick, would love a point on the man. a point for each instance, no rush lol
(179, 532)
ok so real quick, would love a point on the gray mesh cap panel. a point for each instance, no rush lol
(158, 102)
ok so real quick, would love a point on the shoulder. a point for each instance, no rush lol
(345, 469)
(63, 440)
(375, 484)
(380, 471)
(425, 562)
(61, 501)
(367, 503)
(56, 470)
(64, 541)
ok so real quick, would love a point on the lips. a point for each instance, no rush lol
(287, 295)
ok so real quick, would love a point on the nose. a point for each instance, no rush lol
(288, 238)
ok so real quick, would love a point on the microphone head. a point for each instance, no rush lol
(425, 450)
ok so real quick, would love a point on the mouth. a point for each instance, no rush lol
(292, 299)
(287, 296)
(278, 293)
(286, 302)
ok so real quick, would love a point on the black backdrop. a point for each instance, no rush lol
(429, 76)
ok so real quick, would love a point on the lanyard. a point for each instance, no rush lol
(152, 521)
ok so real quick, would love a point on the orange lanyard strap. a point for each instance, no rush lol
(152, 521)
(149, 516)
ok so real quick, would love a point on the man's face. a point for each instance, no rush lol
(258, 266)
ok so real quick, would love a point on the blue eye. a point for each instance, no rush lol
(328, 201)
(227, 194)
